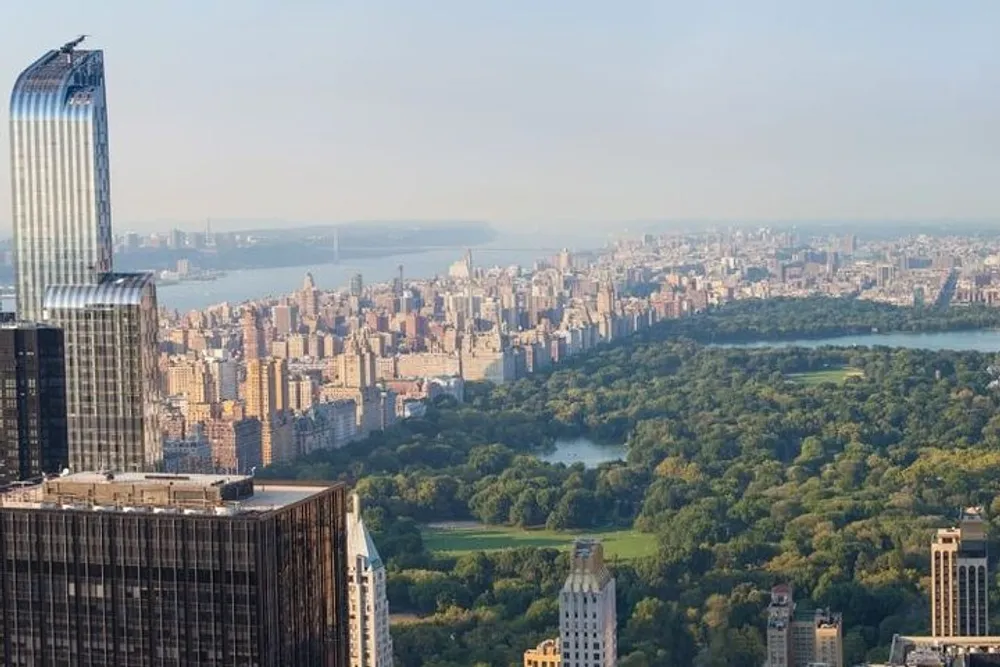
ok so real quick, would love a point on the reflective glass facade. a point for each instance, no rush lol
(142, 589)
(112, 375)
(61, 213)
(59, 175)
(33, 437)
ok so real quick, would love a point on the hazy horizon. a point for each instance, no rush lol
(519, 115)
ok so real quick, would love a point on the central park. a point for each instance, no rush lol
(748, 462)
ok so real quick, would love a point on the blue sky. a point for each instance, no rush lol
(528, 112)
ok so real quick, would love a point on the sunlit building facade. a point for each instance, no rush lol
(588, 622)
(960, 578)
(367, 602)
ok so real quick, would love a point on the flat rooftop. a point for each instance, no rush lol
(156, 492)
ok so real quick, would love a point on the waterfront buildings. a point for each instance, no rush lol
(588, 631)
(33, 438)
(960, 579)
(138, 570)
(368, 606)
(801, 637)
(112, 372)
(60, 183)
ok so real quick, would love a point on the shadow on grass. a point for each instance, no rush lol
(491, 540)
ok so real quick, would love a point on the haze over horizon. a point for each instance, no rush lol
(519, 114)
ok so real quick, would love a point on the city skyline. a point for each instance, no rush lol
(644, 111)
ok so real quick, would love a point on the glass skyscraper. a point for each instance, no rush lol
(60, 176)
(111, 370)
(32, 402)
(63, 248)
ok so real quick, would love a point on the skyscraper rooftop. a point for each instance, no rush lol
(56, 70)
(223, 495)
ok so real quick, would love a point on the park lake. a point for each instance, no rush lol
(591, 454)
(583, 450)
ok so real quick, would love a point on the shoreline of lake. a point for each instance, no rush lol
(581, 449)
(973, 340)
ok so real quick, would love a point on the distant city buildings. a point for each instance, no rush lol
(154, 569)
(368, 606)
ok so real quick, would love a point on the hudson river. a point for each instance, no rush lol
(238, 286)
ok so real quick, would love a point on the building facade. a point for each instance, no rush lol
(33, 437)
(61, 212)
(801, 636)
(545, 654)
(960, 578)
(779, 626)
(235, 443)
(174, 571)
(368, 606)
(112, 371)
(588, 624)
(60, 177)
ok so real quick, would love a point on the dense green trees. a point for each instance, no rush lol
(819, 317)
(747, 473)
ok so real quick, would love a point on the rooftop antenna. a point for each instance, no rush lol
(69, 46)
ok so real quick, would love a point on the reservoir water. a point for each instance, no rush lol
(980, 340)
(592, 454)
(585, 451)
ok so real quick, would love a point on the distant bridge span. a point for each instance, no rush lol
(475, 249)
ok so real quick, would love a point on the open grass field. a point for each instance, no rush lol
(834, 375)
(459, 538)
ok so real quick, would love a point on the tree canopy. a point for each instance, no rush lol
(747, 474)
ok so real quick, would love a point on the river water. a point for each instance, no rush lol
(981, 340)
(508, 249)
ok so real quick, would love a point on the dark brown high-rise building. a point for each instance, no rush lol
(33, 437)
(254, 346)
(173, 571)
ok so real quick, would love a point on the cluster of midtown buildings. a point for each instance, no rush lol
(105, 558)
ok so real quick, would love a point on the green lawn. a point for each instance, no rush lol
(834, 375)
(463, 538)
